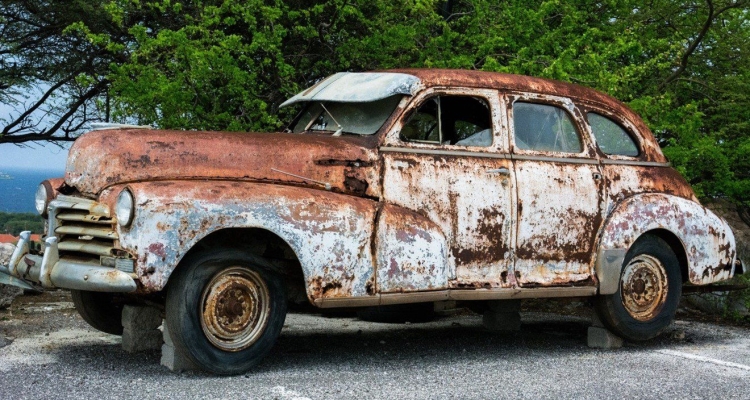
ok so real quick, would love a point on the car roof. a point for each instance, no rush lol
(434, 77)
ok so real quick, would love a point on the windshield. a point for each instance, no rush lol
(363, 118)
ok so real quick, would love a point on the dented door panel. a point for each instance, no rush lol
(411, 252)
(559, 214)
(470, 206)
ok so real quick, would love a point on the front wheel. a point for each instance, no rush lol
(225, 311)
(100, 310)
(648, 294)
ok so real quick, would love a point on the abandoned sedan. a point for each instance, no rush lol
(408, 186)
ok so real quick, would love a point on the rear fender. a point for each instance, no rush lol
(707, 240)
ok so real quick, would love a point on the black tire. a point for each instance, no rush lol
(100, 310)
(398, 313)
(224, 310)
(640, 310)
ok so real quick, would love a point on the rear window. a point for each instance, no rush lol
(543, 127)
(611, 138)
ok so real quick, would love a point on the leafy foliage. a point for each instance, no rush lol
(684, 65)
(15, 223)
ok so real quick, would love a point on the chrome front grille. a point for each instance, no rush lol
(84, 227)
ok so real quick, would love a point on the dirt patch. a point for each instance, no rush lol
(44, 313)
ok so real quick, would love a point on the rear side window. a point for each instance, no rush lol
(610, 137)
(543, 127)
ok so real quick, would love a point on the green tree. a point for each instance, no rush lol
(227, 65)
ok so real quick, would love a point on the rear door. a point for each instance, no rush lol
(560, 192)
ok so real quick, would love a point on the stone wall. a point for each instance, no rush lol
(7, 293)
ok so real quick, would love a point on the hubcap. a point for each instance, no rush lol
(234, 308)
(644, 287)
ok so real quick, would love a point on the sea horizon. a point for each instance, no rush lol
(17, 194)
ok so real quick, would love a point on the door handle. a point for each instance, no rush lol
(499, 171)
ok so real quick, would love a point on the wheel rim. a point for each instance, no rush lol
(644, 287)
(235, 307)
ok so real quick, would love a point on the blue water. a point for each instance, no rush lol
(17, 194)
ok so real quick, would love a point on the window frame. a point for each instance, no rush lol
(497, 121)
(623, 123)
(588, 148)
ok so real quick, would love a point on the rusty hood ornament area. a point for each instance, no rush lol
(392, 187)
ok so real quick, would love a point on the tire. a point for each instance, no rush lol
(100, 310)
(224, 311)
(648, 294)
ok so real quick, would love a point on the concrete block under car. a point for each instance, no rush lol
(502, 316)
(171, 358)
(600, 337)
(141, 328)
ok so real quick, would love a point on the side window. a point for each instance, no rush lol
(543, 127)
(610, 137)
(450, 120)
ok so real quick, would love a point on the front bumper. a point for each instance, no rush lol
(26, 270)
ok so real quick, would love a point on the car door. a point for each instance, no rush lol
(560, 192)
(448, 190)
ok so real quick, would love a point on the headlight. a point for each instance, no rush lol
(42, 197)
(124, 208)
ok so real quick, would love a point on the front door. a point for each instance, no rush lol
(448, 187)
(559, 192)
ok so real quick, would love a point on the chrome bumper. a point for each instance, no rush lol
(49, 271)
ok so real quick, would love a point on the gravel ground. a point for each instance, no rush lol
(54, 354)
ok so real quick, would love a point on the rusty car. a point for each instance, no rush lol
(389, 187)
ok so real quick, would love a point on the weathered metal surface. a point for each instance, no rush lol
(644, 287)
(330, 233)
(103, 158)
(349, 87)
(527, 84)
(455, 187)
(624, 181)
(707, 240)
(413, 221)
(559, 214)
(411, 252)
(235, 308)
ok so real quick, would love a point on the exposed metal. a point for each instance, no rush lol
(609, 268)
(97, 126)
(350, 87)
(705, 239)
(51, 271)
(644, 287)
(235, 308)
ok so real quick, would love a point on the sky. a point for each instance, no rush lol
(37, 156)
(31, 155)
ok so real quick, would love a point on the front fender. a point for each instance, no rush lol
(329, 232)
(707, 240)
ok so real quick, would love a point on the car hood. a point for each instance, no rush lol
(100, 159)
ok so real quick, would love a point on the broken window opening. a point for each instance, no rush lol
(450, 120)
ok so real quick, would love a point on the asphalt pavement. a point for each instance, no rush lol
(53, 354)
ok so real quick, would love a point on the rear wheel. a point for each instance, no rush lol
(225, 311)
(100, 310)
(648, 294)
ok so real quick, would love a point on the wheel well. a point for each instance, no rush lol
(676, 245)
(263, 243)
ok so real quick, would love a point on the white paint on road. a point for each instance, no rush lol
(704, 359)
